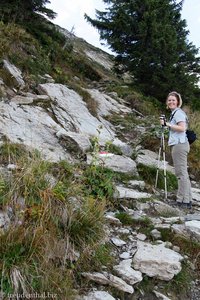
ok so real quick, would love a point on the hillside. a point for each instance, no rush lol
(80, 217)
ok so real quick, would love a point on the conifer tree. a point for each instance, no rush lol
(150, 40)
(24, 10)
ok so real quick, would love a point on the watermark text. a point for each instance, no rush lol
(45, 295)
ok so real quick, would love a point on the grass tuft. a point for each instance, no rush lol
(85, 225)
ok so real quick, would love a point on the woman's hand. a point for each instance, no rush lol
(162, 122)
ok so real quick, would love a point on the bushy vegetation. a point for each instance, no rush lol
(58, 214)
(99, 181)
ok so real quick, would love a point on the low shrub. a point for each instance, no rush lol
(98, 182)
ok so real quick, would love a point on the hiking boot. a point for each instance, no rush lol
(187, 205)
(175, 203)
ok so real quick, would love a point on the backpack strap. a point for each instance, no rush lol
(171, 117)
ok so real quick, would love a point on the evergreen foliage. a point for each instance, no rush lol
(24, 10)
(150, 39)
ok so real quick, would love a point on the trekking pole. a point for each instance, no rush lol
(164, 162)
(158, 165)
(162, 149)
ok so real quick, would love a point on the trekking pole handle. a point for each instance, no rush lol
(162, 120)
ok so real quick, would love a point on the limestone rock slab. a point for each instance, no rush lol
(97, 295)
(72, 112)
(118, 163)
(150, 158)
(106, 104)
(15, 74)
(33, 127)
(4, 220)
(193, 227)
(75, 142)
(107, 278)
(126, 193)
(157, 261)
(126, 272)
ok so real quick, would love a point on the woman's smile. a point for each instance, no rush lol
(172, 102)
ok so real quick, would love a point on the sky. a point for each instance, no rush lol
(70, 15)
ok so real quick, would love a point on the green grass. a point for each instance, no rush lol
(181, 282)
(113, 148)
(12, 152)
(62, 171)
(128, 123)
(31, 181)
(22, 49)
(4, 191)
(85, 225)
(187, 247)
(32, 176)
(25, 249)
(145, 226)
(102, 257)
(124, 218)
(15, 249)
(167, 213)
(147, 285)
(148, 174)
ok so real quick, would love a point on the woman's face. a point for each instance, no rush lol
(172, 102)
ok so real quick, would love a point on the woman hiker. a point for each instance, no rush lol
(180, 148)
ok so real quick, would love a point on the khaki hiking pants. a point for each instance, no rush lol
(179, 156)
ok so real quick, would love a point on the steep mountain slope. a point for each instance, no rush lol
(80, 217)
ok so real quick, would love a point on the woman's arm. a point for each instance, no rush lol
(180, 126)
